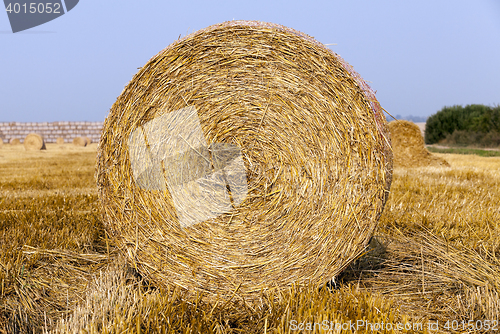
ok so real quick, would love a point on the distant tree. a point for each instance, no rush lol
(472, 121)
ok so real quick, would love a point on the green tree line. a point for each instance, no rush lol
(472, 125)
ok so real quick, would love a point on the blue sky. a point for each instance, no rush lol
(418, 55)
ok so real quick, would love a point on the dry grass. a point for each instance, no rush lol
(433, 257)
(47, 220)
(440, 230)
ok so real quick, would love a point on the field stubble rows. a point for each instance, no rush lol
(434, 257)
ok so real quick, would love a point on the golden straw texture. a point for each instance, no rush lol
(34, 142)
(409, 147)
(15, 141)
(80, 141)
(244, 157)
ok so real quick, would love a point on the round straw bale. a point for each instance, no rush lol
(244, 157)
(80, 141)
(60, 141)
(409, 147)
(1, 142)
(88, 140)
(34, 142)
(15, 141)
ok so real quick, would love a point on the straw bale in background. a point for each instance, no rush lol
(409, 147)
(80, 141)
(34, 142)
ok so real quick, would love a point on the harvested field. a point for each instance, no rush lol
(421, 126)
(434, 257)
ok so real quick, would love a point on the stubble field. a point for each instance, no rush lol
(432, 264)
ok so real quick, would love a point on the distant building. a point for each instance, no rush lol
(414, 119)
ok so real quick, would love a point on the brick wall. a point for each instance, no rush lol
(51, 131)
